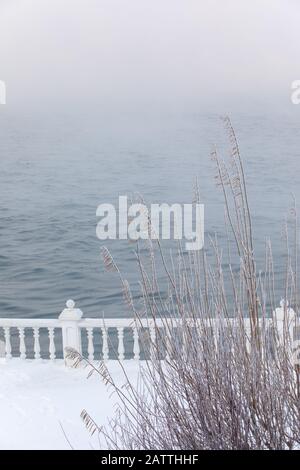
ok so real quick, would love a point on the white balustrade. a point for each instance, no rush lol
(7, 342)
(121, 349)
(136, 346)
(51, 343)
(65, 332)
(169, 343)
(105, 344)
(22, 343)
(90, 344)
(36, 347)
(153, 343)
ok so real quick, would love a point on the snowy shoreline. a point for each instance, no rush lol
(41, 402)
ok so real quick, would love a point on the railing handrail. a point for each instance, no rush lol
(125, 322)
(130, 322)
(30, 322)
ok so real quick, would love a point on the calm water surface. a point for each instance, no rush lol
(55, 170)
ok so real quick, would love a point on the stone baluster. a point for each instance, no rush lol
(36, 346)
(7, 343)
(22, 343)
(121, 350)
(105, 349)
(90, 344)
(136, 346)
(51, 344)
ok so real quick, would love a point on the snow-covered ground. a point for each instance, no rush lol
(41, 402)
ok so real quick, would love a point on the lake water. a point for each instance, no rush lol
(55, 170)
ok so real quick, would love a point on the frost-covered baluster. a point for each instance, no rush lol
(185, 339)
(22, 343)
(169, 343)
(136, 346)
(51, 343)
(90, 343)
(36, 347)
(7, 343)
(121, 350)
(152, 341)
(215, 330)
(105, 349)
(247, 327)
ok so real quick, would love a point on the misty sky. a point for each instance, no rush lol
(149, 54)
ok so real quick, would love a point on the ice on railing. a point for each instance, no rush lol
(2, 349)
(106, 338)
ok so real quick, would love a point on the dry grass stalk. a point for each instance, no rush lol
(229, 387)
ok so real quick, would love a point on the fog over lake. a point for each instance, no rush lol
(107, 98)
